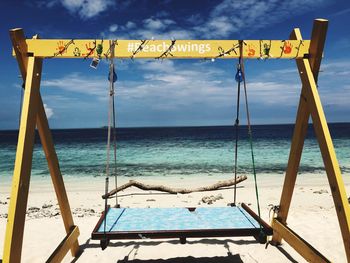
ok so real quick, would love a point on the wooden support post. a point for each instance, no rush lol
(318, 38)
(13, 251)
(312, 100)
(328, 154)
(23, 164)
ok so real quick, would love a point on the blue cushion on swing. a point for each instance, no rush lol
(158, 219)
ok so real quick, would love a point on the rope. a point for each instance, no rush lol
(112, 79)
(111, 114)
(236, 139)
(115, 153)
(250, 135)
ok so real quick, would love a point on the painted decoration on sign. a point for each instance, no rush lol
(76, 52)
(99, 49)
(90, 49)
(287, 48)
(61, 47)
(250, 50)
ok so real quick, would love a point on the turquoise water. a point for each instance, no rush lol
(176, 151)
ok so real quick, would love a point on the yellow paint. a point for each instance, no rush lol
(300, 245)
(62, 249)
(328, 154)
(33, 113)
(310, 103)
(318, 38)
(23, 164)
(89, 48)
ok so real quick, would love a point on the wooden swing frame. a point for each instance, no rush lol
(308, 55)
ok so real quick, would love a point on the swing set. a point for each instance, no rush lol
(138, 223)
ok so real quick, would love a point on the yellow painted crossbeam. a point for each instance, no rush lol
(201, 49)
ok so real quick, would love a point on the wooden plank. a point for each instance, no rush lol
(91, 48)
(20, 49)
(56, 176)
(62, 249)
(318, 38)
(19, 44)
(328, 154)
(299, 244)
(265, 226)
(23, 164)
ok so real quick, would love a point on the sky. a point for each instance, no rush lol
(174, 92)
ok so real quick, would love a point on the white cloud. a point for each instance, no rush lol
(273, 93)
(113, 28)
(79, 84)
(179, 34)
(342, 12)
(47, 3)
(195, 19)
(48, 111)
(248, 16)
(84, 8)
(187, 89)
(225, 19)
(156, 66)
(169, 86)
(163, 85)
(332, 67)
(156, 23)
(130, 25)
(218, 27)
(151, 28)
(338, 98)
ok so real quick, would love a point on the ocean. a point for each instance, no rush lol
(177, 151)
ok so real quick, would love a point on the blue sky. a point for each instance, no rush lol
(174, 92)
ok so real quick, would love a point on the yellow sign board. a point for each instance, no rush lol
(202, 49)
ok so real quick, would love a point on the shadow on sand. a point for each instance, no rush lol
(228, 259)
(222, 259)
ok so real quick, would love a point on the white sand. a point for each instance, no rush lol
(312, 215)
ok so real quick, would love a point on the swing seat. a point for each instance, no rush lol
(152, 223)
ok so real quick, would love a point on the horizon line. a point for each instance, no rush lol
(175, 126)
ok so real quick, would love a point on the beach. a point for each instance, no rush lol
(179, 95)
(312, 215)
(187, 157)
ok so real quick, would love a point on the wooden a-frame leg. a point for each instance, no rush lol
(23, 164)
(328, 154)
(56, 176)
(18, 203)
(308, 69)
(300, 130)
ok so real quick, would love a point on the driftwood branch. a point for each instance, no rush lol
(171, 190)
